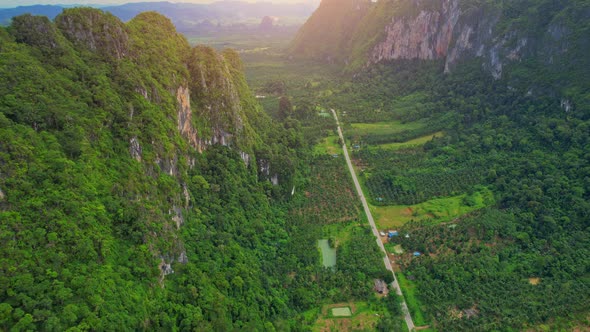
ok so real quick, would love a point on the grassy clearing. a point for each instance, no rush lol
(341, 312)
(391, 216)
(414, 305)
(411, 143)
(328, 145)
(394, 249)
(362, 318)
(339, 232)
(380, 128)
(438, 209)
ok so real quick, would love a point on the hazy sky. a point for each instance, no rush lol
(15, 3)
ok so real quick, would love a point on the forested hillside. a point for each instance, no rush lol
(326, 33)
(134, 181)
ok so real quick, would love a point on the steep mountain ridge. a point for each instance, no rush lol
(125, 156)
(98, 32)
(455, 31)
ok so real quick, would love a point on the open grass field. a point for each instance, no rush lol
(328, 145)
(438, 209)
(380, 128)
(391, 217)
(411, 143)
(362, 318)
(340, 232)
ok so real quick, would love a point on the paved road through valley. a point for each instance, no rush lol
(395, 284)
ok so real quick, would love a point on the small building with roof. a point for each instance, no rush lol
(381, 286)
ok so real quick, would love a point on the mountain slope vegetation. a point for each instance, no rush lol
(325, 34)
(131, 195)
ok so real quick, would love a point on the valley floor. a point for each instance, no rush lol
(394, 284)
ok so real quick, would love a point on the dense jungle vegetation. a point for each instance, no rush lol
(143, 186)
(119, 211)
(532, 152)
(109, 219)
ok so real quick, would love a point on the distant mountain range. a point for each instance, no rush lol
(187, 16)
(46, 10)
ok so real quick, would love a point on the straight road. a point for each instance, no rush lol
(395, 284)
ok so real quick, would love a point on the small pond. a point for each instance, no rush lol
(328, 253)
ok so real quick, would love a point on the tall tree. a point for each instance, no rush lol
(285, 107)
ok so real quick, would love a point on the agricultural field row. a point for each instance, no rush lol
(354, 130)
(410, 188)
(328, 195)
(412, 143)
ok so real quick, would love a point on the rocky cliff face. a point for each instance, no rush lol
(426, 36)
(447, 32)
(218, 101)
(208, 104)
(112, 178)
(163, 81)
(35, 31)
(471, 34)
(458, 30)
(185, 118)
(450, 33)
